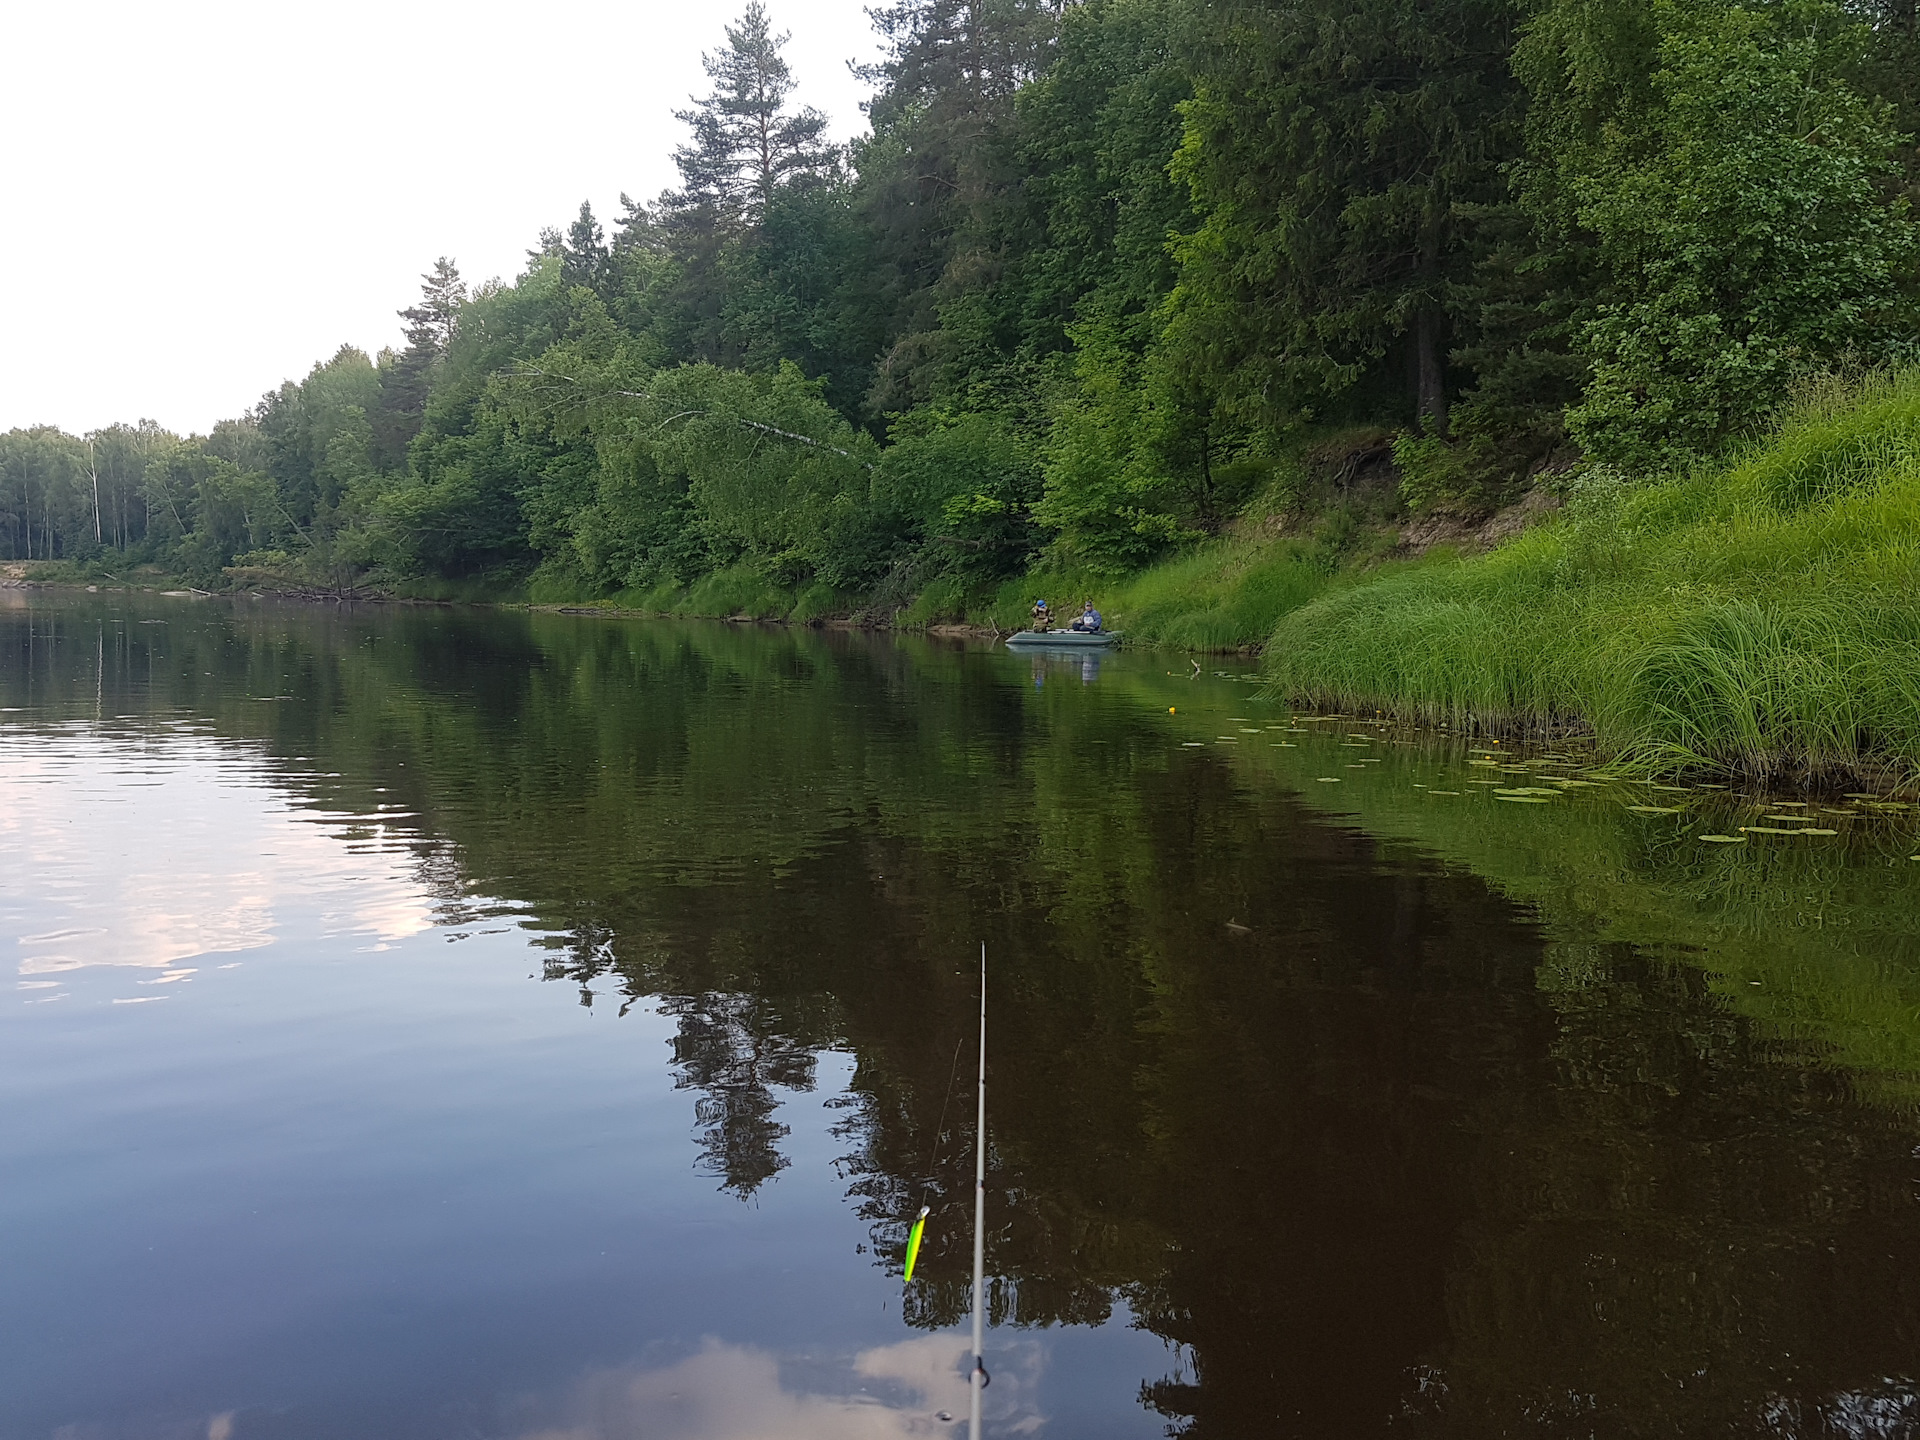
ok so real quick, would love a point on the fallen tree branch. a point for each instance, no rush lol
(748, 424)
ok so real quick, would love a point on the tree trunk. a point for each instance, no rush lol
(1429, 379)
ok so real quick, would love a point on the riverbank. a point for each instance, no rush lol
(1761, 616)
(1222, 598)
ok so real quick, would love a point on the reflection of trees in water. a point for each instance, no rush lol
(726, 1049)
(1371, 1161)
(728, 1044)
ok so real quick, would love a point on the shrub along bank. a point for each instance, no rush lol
(1759, 613)
(1762, 614)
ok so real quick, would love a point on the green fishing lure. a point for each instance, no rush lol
(913, 1241)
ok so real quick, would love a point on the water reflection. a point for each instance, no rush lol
(1361, 1146)
(153, 851)
(730, 1392)
(1063, 662)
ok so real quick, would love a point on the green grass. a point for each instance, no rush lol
(1762, 615)
(1223, 596)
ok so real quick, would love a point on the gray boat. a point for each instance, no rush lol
(1062, 639)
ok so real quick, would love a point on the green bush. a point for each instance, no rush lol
(1763, 615)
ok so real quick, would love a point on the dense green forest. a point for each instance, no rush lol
(1102, 280)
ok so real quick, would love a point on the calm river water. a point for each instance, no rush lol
(440, 1024)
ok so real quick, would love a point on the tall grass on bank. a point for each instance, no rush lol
(1223, 596)
(1762, 615)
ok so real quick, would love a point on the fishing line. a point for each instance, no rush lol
(939, 1132)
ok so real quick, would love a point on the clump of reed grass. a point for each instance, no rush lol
(1760, 615)
(1223, 596)
(737, 590)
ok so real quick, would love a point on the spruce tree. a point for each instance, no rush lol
(746, 144)
(1331, 146)
(406, 378)
(942, 171)
(585, 261)
(431, 323)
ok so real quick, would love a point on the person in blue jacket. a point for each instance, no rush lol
(1089, 621)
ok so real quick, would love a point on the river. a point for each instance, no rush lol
(466, 1023)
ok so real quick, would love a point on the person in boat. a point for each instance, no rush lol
(1042, 616)
(1089, 621)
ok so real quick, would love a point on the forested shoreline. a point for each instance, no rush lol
(1107, 284)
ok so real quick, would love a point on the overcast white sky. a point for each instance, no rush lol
(201, 198)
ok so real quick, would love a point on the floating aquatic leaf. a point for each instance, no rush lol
(1789, 804)
(1521, 799)
(1456, 792)
(1654, 809)
(1193, 744)
(1783, 817)
(1282, 745)
(1723, 839)
(1328, 779)
(1770, 830)
(1813, 830)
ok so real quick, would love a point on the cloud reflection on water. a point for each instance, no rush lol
(736, 1392)
(131, 860)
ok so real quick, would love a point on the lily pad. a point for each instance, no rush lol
(1522, 799)
(1654, 809)
(1723, 839)
(1328, 779)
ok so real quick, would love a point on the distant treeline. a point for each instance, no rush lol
(1084, 288)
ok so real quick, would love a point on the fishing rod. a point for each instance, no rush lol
(977, 1381)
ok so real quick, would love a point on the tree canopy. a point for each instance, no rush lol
(1091, 278)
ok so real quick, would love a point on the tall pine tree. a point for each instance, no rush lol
(747, 145)
(406, 378)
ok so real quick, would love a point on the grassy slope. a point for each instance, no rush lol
(1220, 597)
(1224, 596)
(1761, 615)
